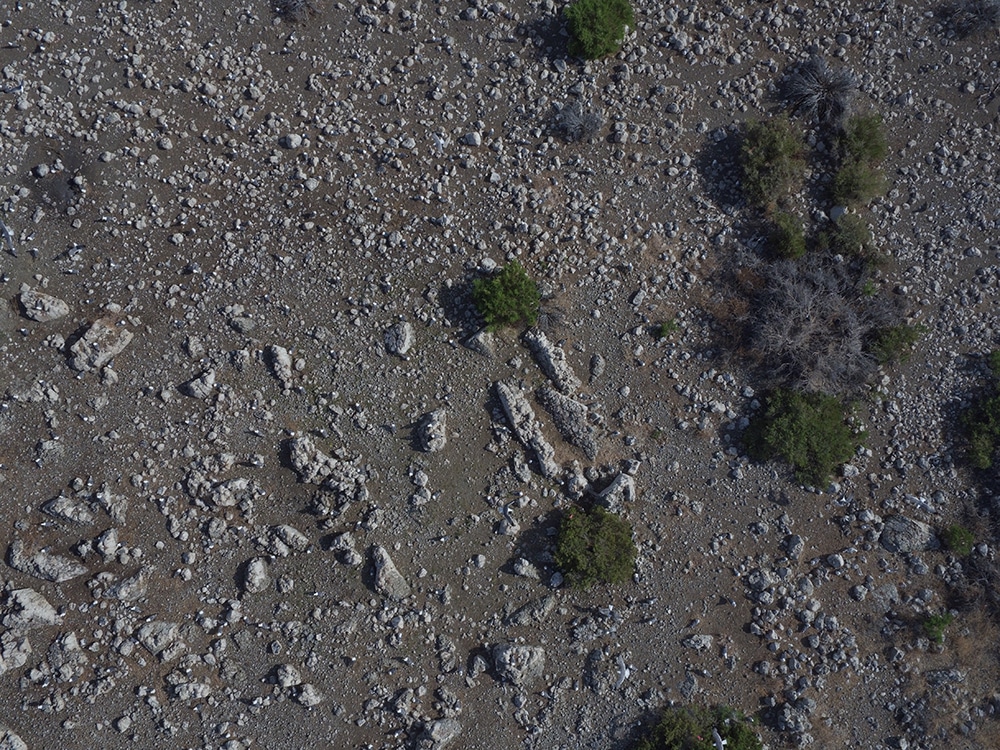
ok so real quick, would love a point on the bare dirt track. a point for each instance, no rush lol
(257, 202)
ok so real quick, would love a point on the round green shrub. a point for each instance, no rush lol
(594, 546)
(690, 728)
(772, 160)
(597, 26)
(958, 539)
(787, 238)
(507, 298)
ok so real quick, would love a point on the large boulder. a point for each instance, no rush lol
(30, 610)
(526, 428)
(9, 739)
(433, 430)
(41, 307)
(42, 564)
(552, 360)
(902, 534)
(571, 418)
(519, 664)
(99, 345)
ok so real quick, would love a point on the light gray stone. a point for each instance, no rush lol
(519, 664)
(388, 580)
(102, 342)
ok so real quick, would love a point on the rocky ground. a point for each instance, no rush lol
(265, 482)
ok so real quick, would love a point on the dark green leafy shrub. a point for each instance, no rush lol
(892, 344)
(857, 183)
(507, 298)
(981, 421)
(771, 157)
(935, 624)
(788, 240)
(808, 430)
(850, 236)
(666, 328)
(958, 539)
(690, 728)
(864, 140)
(594, 546)
(597, 27)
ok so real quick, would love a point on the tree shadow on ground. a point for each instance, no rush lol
(546, 35)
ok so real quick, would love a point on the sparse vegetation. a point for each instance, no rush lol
(295, 11)
(771, 157)
(808, 430)
(508, 298)
(958, 539)
(594, 546)
(970, 17)
(666, 328)
(574, 124)
(892, 344)
(788, 240)
(934, 626)
(851, 236)
(690, 728)
(857, 183)
(982, 420)
(814, 89)
(597, 27)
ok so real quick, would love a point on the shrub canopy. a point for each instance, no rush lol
(597, 26)
(507, 298)
(594, 546)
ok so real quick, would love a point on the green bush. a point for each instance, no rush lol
(771, 157)
(594, 546)
(807, 430)
(892, 344)
(507, 298)
(851, 236)
(981, 421)
(958, 539)
(934, 626)
(864, 140)
(666, 328)
(690, 728)
(857, 183)
(787, 238)
(597, 27)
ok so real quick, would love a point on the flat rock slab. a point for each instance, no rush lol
(42, 307)
(902, 534)
(30, 610)
(99, 345)
(552, 360)
(525, 425)
(42, 564)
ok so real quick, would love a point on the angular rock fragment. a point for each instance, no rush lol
(433, 430)
(335, 474)
(43, 564)
(199, 387)
(308, 695)
(901, 534)
(30, 610)
(388, 580)
(343, 549)
(552, 360)
(280, 362)
(71, 509)
(9, 740)
(67, 659)
(14, 651)
(482, 342)
(699, 642)
(190, 691)
(133, 588)
(99, 345)
(519, 664)
(399, 338)
(287, 676)
(162, 639)
(533, 613)
(571, 418)
(255, 577)
(114, 505)
(41, 307)
(522, 420)
(439, 734)
(618, 494)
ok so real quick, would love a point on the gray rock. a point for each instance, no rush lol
(255, 577)
(699, 642)
(291, 537)
(30, 610)
(399, 338)
(71, 509)
(42, 564)
(107, 544)
(280, 362)
(42, 307)
(14, 651)
(192, 691)
(9, 739)
(901, 534)
(571, 418)
(482, 342)
(433, 430)
(308, 695)
(552, 360)
(437, 735)
(162, 639)
(199, 387)
(524, 568)
(99, 345)
(67, 659)
(287, 676)
(388, 580)
(533, 613)
(525, 426)
(618, 494)
(133, 588)
(519, 664)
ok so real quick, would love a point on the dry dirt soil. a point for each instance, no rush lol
(258, 200)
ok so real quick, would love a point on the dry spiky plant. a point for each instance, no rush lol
(295, 11)
(812, 326)
(814, 89)
(575, 124)
(969, 17)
